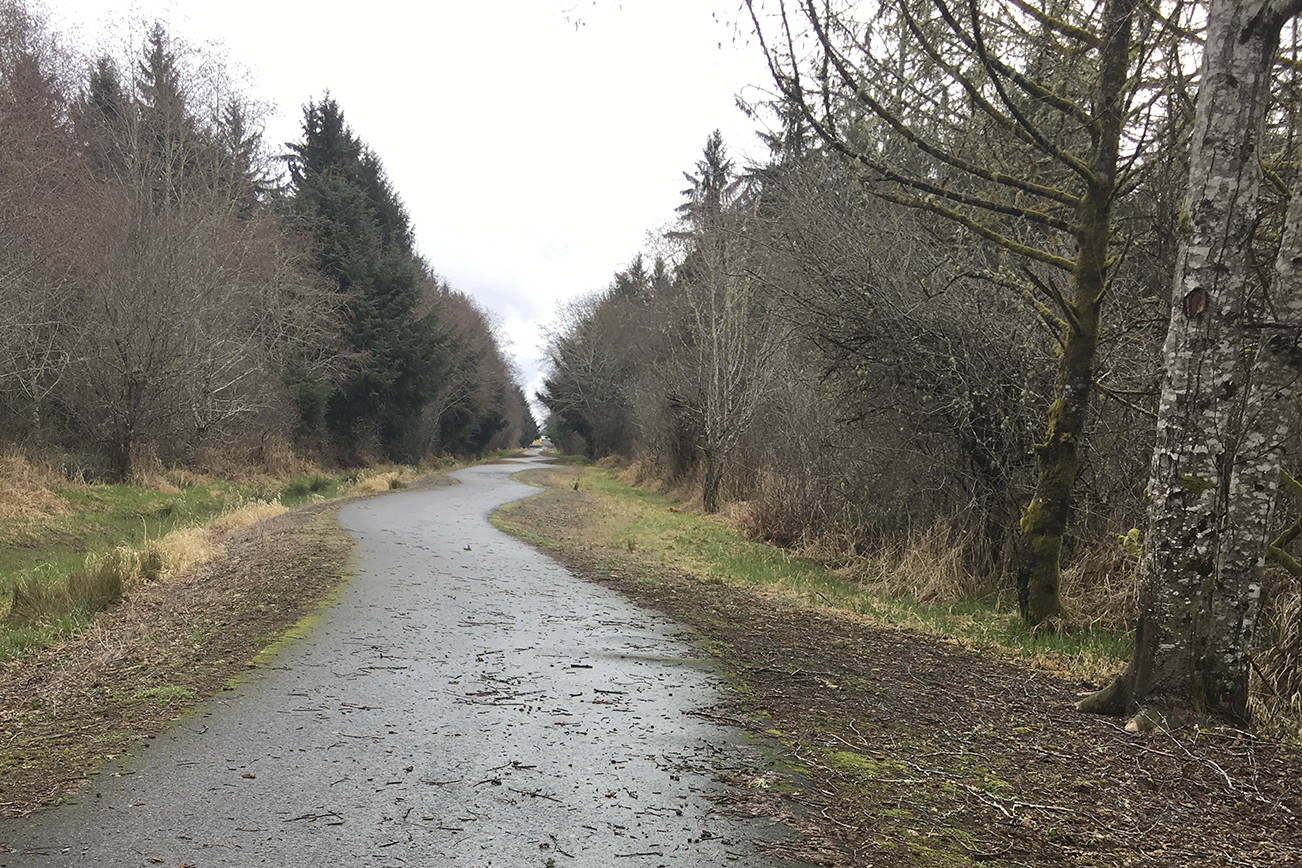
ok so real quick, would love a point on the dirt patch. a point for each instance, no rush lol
(67, 710)
(917, 752)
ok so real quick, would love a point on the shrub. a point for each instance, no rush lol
(297, 488)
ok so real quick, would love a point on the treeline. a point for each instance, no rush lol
(833, 362)
(936, 317)
(171, 289)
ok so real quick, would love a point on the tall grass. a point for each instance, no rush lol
(80, 594)
(1275, 697)
(28, 489)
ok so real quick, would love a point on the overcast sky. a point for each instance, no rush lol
(534, 142)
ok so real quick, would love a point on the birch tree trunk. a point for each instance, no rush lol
(1232, 360)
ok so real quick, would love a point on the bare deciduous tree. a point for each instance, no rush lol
(722, 341)
(39, 189)
(1007, 119)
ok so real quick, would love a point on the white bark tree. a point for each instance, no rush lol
(1232, 359)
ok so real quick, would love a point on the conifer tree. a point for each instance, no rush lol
(363, 242)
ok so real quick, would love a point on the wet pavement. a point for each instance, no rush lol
(466, 702)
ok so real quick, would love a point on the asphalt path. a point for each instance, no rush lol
(465, 702)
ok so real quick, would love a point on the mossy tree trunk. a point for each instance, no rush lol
(1044, 521)
(1232, 361)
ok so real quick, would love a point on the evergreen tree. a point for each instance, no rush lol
(239, 148)
(169, 143)
(99, 116)
(529, 426)
(363, 242)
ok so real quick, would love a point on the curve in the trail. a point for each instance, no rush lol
(466, 702)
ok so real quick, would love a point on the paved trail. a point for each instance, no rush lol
(467, 702)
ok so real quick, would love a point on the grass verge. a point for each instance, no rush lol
(88, 545)
(65, 711)
(644, 530)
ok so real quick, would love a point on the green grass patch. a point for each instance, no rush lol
(301, 487)
(19, 640)
(100, 517)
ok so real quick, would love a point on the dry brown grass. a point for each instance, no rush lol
(250, 463)
(247, 514)
(1100, 588)
(375, 482)
(25, 488)
(186, 547)
(637, 472)
(1275, 697)
(182, 477)
(932, 565)
(177, 552)
(155, 480)
(379, 480)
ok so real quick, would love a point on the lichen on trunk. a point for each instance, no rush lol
(1044, 521)
(1231, 359)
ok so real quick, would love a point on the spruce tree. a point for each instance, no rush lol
(363, 242)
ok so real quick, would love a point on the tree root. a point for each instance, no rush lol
(1113, 700)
